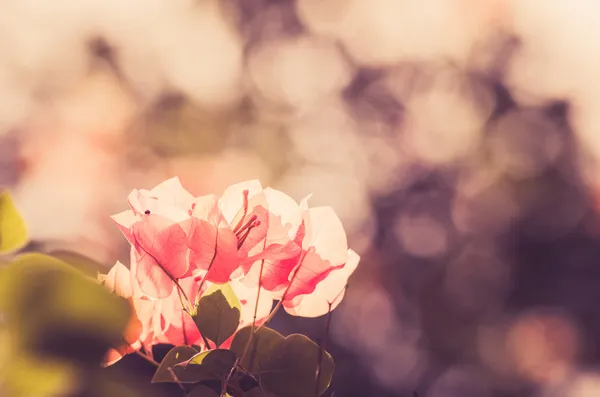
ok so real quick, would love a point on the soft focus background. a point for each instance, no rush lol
(458, 140)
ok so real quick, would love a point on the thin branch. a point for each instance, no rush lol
(205, 341)
(262, 265)
(322, 346)
(147, 358)
(176, 379)
(226, 381)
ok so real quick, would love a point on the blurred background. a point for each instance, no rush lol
(458, 140)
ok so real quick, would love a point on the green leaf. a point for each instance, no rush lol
(17, 274)
(27, 376)
(54, 310)
(218, 313)
(265, 343)
(177, 355)
(81, 262)
(13, 233)
(212, 364)
(208, 365)
(292, 370)
(203, 391)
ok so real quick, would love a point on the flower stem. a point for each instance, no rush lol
(147, 358)
(262, 265)
(280, 303)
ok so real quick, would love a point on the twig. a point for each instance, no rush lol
(322, 346)
(262, 265)
(226, 381)
(205, 341)
(147, 358)
(176, 379)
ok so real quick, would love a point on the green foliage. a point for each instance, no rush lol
(291, 371)
(59, 324)
(168, 371)
(53, 310)
(212, 364)
(183, 364)
(13, 233)
(270, 365)
(218, 313)
(23, 376)
(263, 346)
(285, 366)
(79, 261)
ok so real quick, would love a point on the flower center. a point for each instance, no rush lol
(243, 232)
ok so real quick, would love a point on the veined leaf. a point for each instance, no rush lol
(218, 314)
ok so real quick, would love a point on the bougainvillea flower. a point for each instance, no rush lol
(284, 220)
(118, 281)
(165, 320)
(154, 321)
(244, 207)
(281, 242)
(176, 326)
(327, 294)
(324, 249)
(213, 244)
(248, 298)
(253, 238)
(158, 227)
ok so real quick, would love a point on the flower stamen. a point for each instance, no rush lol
(245, 194)
(248, 228)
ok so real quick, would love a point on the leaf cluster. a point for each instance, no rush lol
(259, 363)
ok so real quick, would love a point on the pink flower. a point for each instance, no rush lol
(324, 249)
(245, 210)
(253, 238)
(158, 227)
(214, 246)
(174, 325)
(118, 281)
(264, 222)
(316, 246)
(327, 294)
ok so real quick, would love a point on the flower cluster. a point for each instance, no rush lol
(260, 241)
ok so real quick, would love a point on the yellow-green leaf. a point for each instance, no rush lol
(53, 309)
(81, 262)
(27, 376)
(13, 233)
(218, 313)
